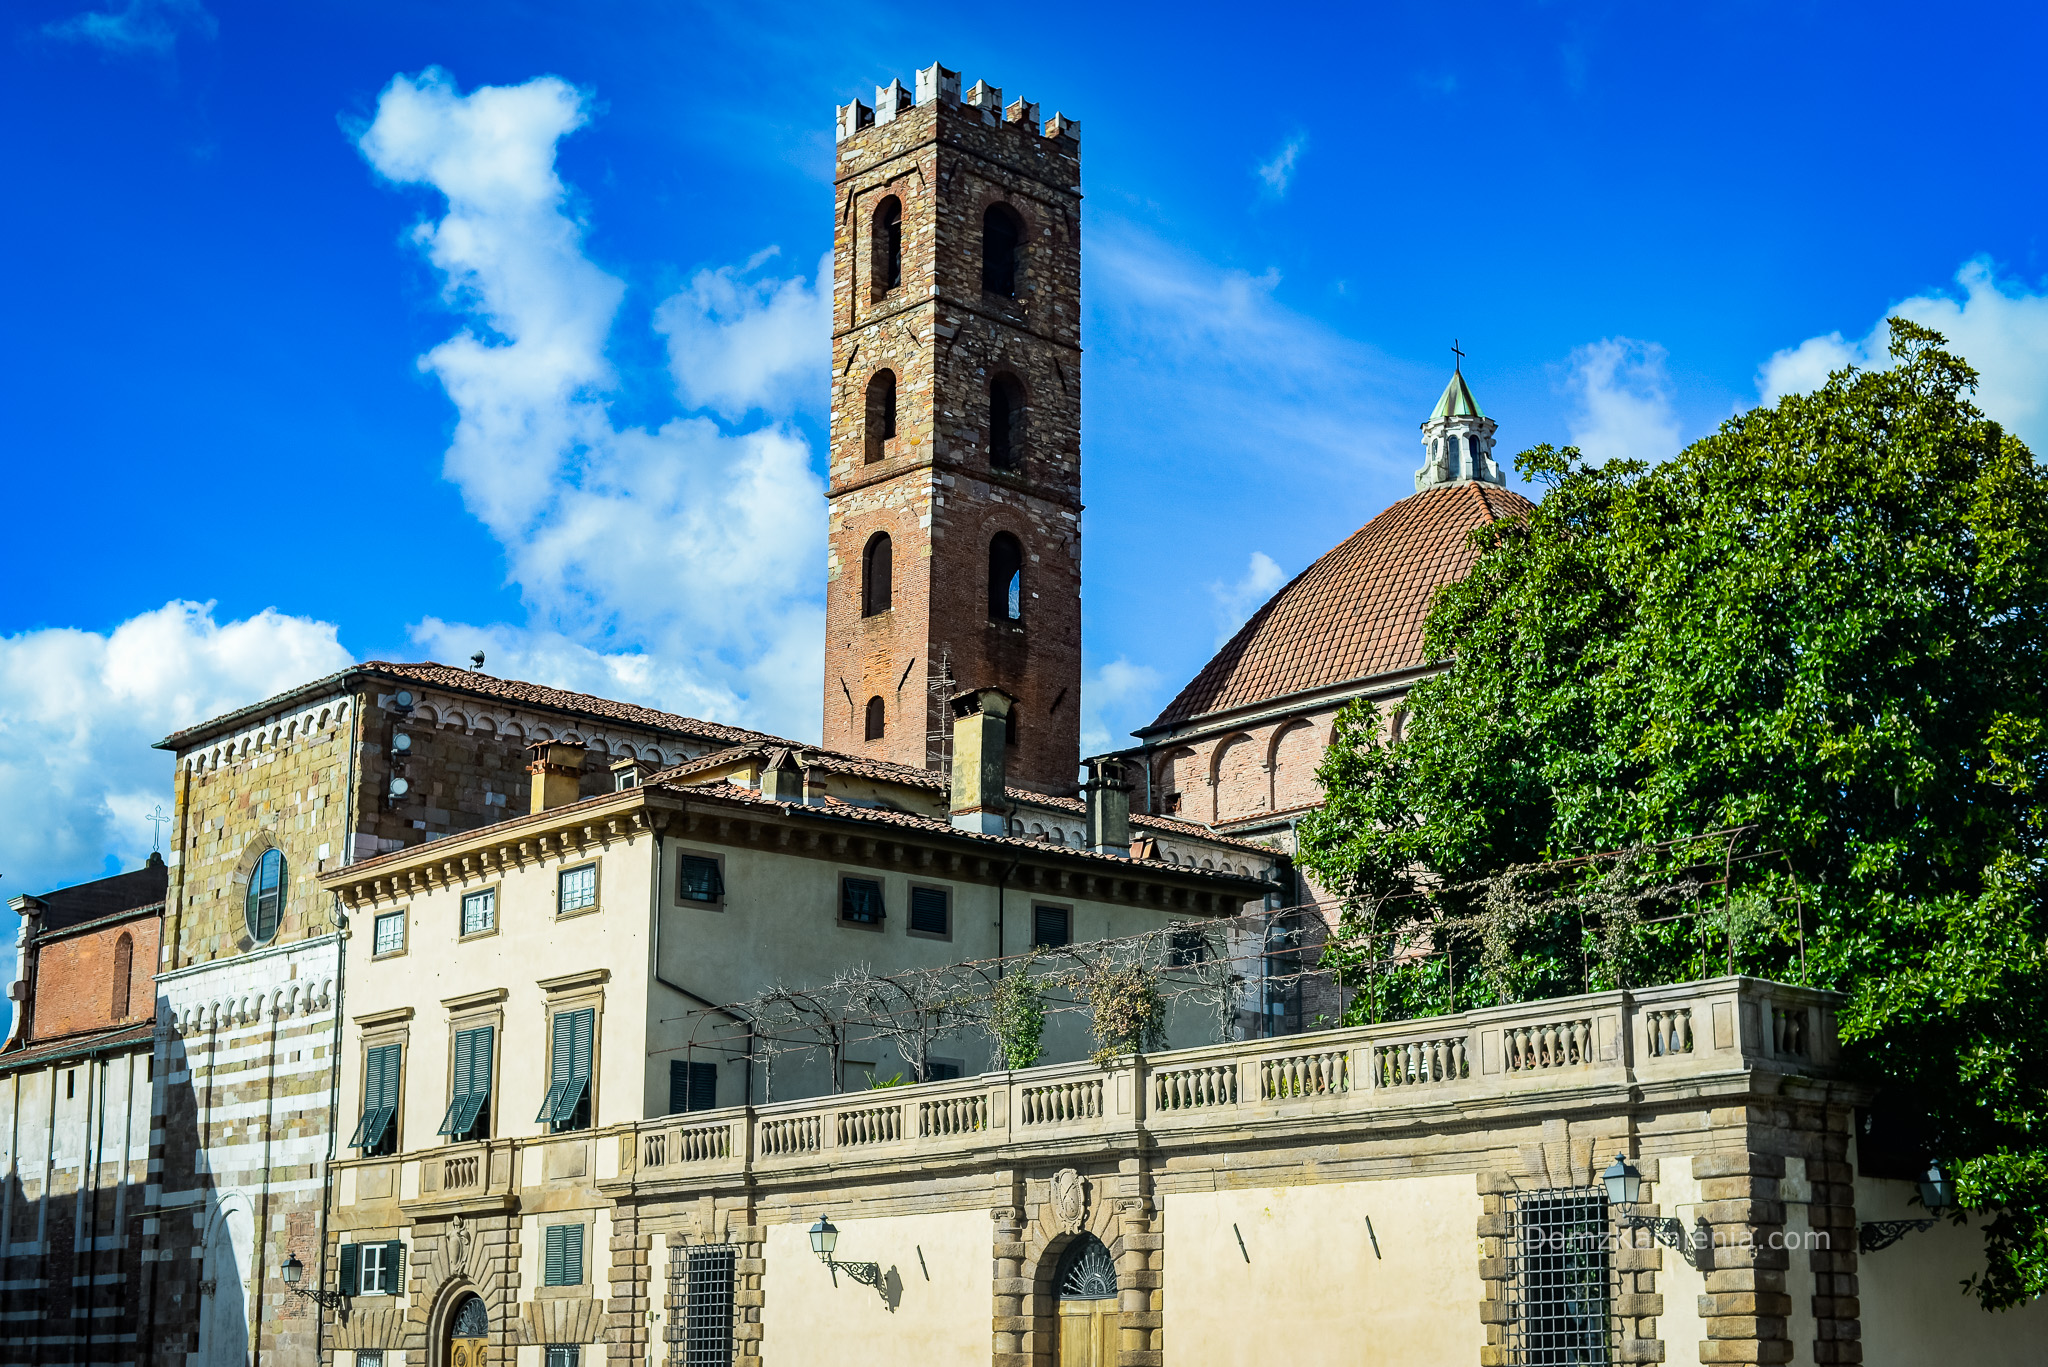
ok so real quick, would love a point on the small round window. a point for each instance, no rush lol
(266, 896)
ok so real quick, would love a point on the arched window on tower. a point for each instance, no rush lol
(1002, 232)
(888, 237)
(1005, 579)
(124, 968)
(881, 425)
(878, 720)
(876, 574)
(1005, 422)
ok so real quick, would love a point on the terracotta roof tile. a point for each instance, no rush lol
(1356, 612)
(477, 684)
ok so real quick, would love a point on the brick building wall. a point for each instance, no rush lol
(83, 977)
(935, 488)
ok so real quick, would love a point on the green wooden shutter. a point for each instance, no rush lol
(563, 1263)
(703, 1086)
(572, 1259)
(678, 1086)
(394, 1267)
(380, 1095)
(351, 1269)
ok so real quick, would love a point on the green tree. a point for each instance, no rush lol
(1824, 622)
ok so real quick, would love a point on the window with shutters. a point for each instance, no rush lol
(388, 934)
(264, 904)
(692, 1086)
(377, 1131)
(469, 1101)
(860, 901)
(699, 879)
(943, 1069)
(567, 1105)
(576, 889)
(480, 912)
(1051, 927)
(931, 912)
(562, 1260)
(707, 1307)
(373, 1269)
(563, 1355)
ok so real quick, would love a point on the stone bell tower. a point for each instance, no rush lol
(955, 493)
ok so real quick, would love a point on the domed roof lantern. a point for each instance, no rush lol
(1457, 440)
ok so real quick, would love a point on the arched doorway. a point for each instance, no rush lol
(469, 1333)
(1086, 1286)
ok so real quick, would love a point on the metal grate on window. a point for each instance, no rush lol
(706, 1339)
(1560, 1279)
(564, 1354)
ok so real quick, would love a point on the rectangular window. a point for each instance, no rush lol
(563, 1355)
(563, 1262)
(390, 933)
(469, 1100)
(692, 1086)
(375, 1132)
(943, 1069)
(1051, 927)
(1559, 1288)
(578, 889)
(369, 1357)
(698, 879)
(1186, 947)
(707, 1312)
(373, 1269)
(860, 901)
(931, 911)
(480, 911)
(567, 1105)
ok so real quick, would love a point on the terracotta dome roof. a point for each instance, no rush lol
(1356, 612)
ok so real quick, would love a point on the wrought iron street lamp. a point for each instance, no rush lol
(293, 1270)
(1624, 1183)
(825, 1239)
(1937, 1193)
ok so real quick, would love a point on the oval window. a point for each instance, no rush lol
(265, 904)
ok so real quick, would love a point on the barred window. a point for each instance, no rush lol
(707, 1314)
(578, 888)
(1560, 1290)
(390, 933)
(564, 1354)
(480, 912)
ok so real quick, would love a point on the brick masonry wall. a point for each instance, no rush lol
(933, 489)
(75, 985)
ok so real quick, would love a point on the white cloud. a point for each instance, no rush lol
(679, 559)
(79, 711)
(138, 28)
(1278, 171)
(1235, 603)
(736, 344)
(1205, 361)
(1623, 395)
(2000, 327)
(1113, 699)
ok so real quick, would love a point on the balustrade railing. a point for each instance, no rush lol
(1187, 1089)
(1420, 1062)
(1061, 1103)
(952, 1115)
(1323, 1073)
(1668, 1032)
(792, 1134)
(1553, 1044)
(1788, 1031)
(870, 1125)
(461, 1171)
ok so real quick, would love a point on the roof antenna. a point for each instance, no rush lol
(1459, 365)
(476, 661)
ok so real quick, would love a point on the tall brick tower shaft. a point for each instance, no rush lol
(955, 495)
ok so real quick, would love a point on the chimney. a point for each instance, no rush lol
(981, 718)
(1109, 807)
(781, 778)
(557, 771)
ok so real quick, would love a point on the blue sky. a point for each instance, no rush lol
(343, 331)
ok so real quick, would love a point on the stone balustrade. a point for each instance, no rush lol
(1375, 1074)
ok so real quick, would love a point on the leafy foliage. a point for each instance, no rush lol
(1821, 625)
(1016, 1017)
(1125, 1008)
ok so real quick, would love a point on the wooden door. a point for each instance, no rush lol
(466, 1352)
(1087, 1333)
